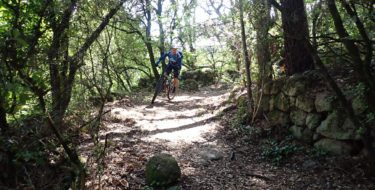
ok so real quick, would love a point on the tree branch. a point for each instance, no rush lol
(361, 28)
(134, 31)
(89, 40)
(275, 4)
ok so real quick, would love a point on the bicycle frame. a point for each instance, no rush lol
(164, 83)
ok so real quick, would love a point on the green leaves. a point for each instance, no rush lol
(277, 152)
(18, 38)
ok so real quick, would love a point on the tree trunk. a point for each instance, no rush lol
(62, 73)
(148, 39)
(294, 22)
(262, 25)
(152, 60)
(246, 58)
(3, 116)
(361, 66)
(159, 11)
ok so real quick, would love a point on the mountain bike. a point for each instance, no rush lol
(165, 83)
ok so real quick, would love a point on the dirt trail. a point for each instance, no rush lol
(188, 127)
(186, 119)
(183, 127)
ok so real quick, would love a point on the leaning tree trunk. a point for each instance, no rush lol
(294, 22)
(246, 58)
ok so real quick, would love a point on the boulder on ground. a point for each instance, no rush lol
(162, 170)
(211, 154)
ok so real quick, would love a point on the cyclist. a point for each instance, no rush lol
(175, 64)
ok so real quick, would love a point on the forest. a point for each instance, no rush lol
(272, 94)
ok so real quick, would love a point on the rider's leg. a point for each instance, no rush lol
(176, 82)
(166, 73)
(168, 70)
(176, 73)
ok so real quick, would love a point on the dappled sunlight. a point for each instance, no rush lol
(186, 119)
(188, 133)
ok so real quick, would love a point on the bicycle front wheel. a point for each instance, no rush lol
(158, 89)
(171, 92)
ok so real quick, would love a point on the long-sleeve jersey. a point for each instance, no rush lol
(173, 59)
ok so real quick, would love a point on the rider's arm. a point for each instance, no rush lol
(162, 58)
(180, 60)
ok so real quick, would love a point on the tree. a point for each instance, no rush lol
(24, 44)
(294, 23)
(145, 20)
(362, 65)
(159, 11)
(262, 25)
(3, 116)
(246, 57)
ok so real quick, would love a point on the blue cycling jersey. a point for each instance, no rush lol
(173, 59)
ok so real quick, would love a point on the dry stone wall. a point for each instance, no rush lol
(310, 111)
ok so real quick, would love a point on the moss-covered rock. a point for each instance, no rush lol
(313, 120)
(301, 133)
(267, 88)
(323, 102)
(278, 118)
(336, 127)
(277, 85)
(296, 131)
(334, 146)
(190, 85)
(292, 101)
(295, 85)
(205, 77)
(298, 117)
(282, 102)
(305, 103)
(162, 170)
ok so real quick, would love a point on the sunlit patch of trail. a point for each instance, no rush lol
(186, 119)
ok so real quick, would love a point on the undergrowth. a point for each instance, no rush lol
(278, 152)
